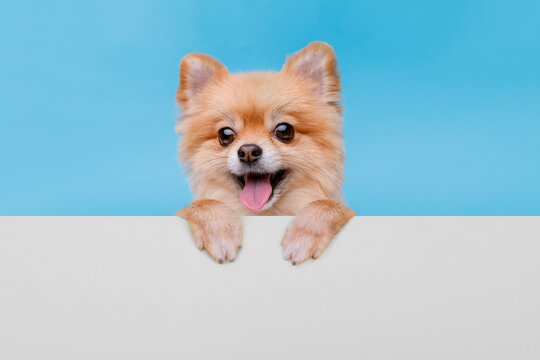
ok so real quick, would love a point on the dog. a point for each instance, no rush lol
(263, 143)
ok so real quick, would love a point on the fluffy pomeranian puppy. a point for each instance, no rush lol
(263, 143)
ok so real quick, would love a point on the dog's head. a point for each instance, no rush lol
(263, 139)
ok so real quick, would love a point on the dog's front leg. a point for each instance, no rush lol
(313, 228)
(216, 228)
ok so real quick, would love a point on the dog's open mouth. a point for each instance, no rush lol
(258, 189)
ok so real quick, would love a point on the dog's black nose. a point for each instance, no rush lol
(249, 153)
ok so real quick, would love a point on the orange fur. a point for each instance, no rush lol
(305, 94)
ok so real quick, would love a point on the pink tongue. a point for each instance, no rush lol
(256, 192)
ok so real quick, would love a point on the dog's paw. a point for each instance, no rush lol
(221, 248)
(216, 229)
(301, 243)
(313, 228)
(221, 238)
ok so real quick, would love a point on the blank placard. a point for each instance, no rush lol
(385, 288)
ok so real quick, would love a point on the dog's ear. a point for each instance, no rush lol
(196, 72)
(317, 63)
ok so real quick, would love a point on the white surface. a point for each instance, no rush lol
(386, 288)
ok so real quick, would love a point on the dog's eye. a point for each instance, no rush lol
(284, 132)
(226, 136)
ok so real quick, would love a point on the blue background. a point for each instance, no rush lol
(442, 99)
